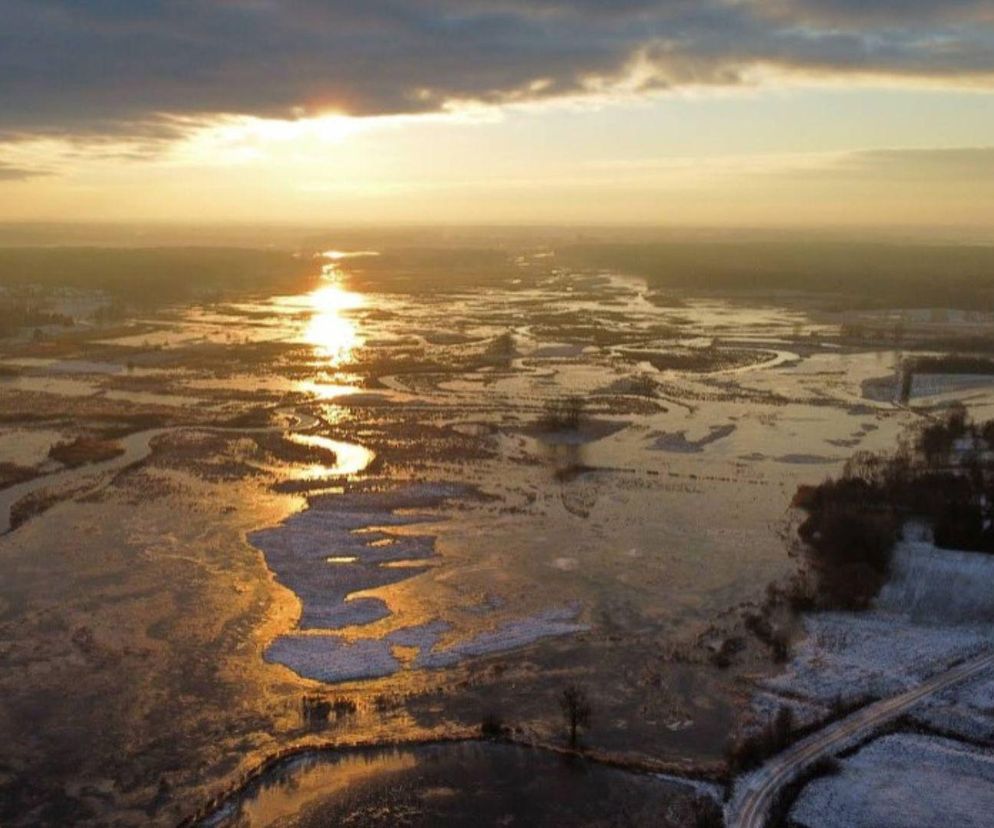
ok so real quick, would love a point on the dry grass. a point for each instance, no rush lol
(85, 450)
(12, 474)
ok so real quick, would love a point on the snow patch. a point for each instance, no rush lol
(934, 586)
(510, 636)
(331, 659)
(847, 657)
(903, 780)
(677, 441)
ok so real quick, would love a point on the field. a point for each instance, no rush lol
(425, 501)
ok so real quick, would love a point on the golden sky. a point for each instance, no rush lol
(718, 112)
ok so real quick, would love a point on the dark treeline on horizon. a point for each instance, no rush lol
(862, 273)
(151, 276)
(849, 274)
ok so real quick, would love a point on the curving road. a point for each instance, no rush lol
(755, 793)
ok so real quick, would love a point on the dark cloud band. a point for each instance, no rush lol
(125, 67)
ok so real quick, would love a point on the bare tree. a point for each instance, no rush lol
(644, 385)
(562, 414)
(576, 710)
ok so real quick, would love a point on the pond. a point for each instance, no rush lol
(451, 784)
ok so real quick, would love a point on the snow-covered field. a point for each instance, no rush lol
(937, 609)
(924, 386)
(931, 586)
(900, 781)
(847, 658)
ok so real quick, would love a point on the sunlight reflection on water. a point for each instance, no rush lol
(332, 332)
(331, 328)
(350, 458)
(287, 793)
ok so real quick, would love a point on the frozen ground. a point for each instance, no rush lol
(900, 781)
(936, 610)
(848, 658)
(26, 447)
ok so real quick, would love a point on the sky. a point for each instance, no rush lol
(659, 112)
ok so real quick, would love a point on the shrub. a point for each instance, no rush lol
(751, 751)
(644, 386)
(780, 645)
(344, 707)
(315, 710)
(492, 726)
(729, 648)
(503, 347)
(851, 532)
(706, 813)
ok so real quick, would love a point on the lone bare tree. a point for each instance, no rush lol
(563, 413)
(576, 710)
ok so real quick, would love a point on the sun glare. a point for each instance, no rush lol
(331, 330)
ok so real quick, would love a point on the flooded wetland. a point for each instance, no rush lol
(316, 538)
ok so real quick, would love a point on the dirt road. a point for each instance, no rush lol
(755, 793)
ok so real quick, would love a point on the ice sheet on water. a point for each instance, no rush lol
(339, 546)
(332, 658)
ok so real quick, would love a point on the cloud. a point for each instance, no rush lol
(894, 14)
(972, 166)
(145, 68)
(964, 165)
(10, 172)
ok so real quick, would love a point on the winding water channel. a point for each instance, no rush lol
(350, 458)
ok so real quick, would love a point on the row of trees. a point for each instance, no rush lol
(941, 472)
(147, 278)
(16, 315)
